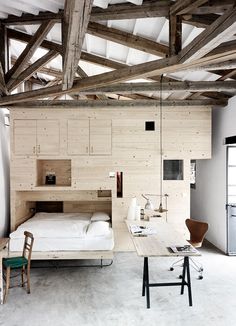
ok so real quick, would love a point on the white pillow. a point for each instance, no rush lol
(98, 229)
(100, 216)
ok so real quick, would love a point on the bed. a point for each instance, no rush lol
(66, 236)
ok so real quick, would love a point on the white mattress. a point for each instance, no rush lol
(60, 232)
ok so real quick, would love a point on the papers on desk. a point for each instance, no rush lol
(139, 230)
(185, 248)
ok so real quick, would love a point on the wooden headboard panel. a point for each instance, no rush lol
(49, 206)
(87, 206)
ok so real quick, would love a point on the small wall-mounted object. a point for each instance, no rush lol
(119, 184)
(112, 174)
(193, 174)
(50, 178)
(149, 125)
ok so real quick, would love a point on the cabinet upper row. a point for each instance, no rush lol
(42, 137)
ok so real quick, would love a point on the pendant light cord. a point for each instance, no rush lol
(161, 144)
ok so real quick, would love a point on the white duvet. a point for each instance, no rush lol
(64, 231)
(59, 225)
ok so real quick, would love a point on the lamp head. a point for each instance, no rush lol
(161, 209)
(149, 204)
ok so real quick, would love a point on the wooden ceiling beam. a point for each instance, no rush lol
(23, 37)
(224, 47)
(29, 19)
(3, 88)
(146, 69)
(201, 21)
(48, 71)
(221, 30)
(128, 39)
(31, 69)
(4, 48)
(118, 103)
(29, 50)
(213, 7)
(175, 34)
(130, 11)
(104, 62)
(75, 21)
(198, 86)
(181, 7)
(83, 74)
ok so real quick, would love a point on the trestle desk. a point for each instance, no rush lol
(158, 245)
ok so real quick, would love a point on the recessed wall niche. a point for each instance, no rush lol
(60, 169)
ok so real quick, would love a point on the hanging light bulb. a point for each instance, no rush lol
(160, 208)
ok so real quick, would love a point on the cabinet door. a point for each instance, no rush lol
(24, 135)
(100, 137)
(48, 137)
(78, 137)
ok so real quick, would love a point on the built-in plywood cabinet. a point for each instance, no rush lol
(89, 137)
(36, 137)
(86, 148)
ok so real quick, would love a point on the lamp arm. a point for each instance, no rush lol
(165, 195)
(145, 197)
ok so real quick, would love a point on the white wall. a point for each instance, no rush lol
(209, 198)
(4, 176)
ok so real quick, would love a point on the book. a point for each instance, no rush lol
(140, 230)
(184, 248)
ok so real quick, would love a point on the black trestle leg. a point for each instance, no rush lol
(144, 278)
(147, 282)
(183, 275)
(189, 283)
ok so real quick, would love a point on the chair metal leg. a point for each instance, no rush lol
(7, 285)
(197, 266)
(177, 263)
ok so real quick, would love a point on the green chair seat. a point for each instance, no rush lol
(15, 262)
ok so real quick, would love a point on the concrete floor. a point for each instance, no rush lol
(112, 295)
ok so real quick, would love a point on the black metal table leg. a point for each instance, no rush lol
(189, 282)
(147, 282)
(183, 276)
(186, 281)
(144, 278)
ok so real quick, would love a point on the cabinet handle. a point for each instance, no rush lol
(34, 149)
(91, 149)
(38, 148)
(86, 149)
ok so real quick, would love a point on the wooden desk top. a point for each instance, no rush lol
(157, 245)
(3, 242)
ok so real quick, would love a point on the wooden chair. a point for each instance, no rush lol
(22, 262)
(197, 230)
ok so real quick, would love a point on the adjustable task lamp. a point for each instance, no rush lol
(149, 204)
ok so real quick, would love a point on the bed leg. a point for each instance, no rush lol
(101, 263)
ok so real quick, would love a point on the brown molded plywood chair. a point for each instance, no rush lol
(197, 230)
(21, 262)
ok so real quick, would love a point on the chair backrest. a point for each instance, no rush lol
(28, 245)
(197, 230)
